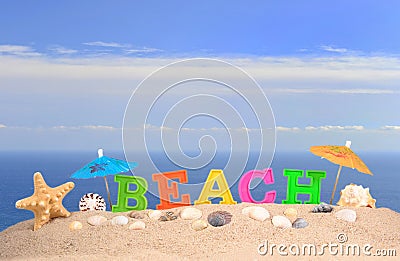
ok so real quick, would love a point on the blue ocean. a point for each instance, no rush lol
(17, 168)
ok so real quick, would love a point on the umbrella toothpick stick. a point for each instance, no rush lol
(108, 193)
(334, 187)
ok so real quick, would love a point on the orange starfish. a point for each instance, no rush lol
(46, 202)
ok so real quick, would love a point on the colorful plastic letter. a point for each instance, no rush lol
(124, 193)
(215, 176)
(244, 186)
(165, 190)
(294, 188)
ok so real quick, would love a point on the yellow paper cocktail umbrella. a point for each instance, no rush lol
(342, 156)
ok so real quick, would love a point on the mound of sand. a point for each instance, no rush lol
(176, 240)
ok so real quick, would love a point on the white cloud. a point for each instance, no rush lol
(391, 127)
(107, 44)
(63, 50)
(153, 127)
(280, 128)
(2, 126)
(329, 48)
(334, 128)
(87, 127)
(333, 91)
(19, 50)
(142, 50)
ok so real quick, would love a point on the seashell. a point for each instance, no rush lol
(300, 223)
(137, 225)
(322, 208)
(290, 213)
(259, 213)
(119, 220)
(281, 222)
(136, 215)
(92, 201)
(96, 220)
(356, 196)
(346, 215)
(75, 225)
(191, 213)
(247, 210)
(168, 216)
(219, 218)
(155, 214)
(199, 225)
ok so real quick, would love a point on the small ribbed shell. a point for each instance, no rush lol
(92, 201)
(219, 218)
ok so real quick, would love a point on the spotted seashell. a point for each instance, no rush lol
(259, 213)
(96, 220)
(119, 220)
(290, 213)
(356, 196)
(281, 222)
(346, 215)
(168, 216)
(219, 218)
(199, 225)
(92, 201)
(137, 225)
(300, 223)
(75, 225)
(136, 215)
(191, 213)
(322, 208)
(155, 214)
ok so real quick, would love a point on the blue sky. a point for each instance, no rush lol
(331, 71)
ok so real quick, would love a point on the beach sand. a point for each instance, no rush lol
(176, 240)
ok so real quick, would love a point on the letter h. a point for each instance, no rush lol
(293, 187)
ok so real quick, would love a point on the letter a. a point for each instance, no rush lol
(215, 176)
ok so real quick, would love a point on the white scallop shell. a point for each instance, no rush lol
(96, 220)
(119, 220)
(346, 215)
(356, 196)
(259, 213)
(137, 225)
(155, 214)
(281, 222)
(191, 213)
(75, 225)
(199, 225)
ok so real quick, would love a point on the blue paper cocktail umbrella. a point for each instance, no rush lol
(103, 166)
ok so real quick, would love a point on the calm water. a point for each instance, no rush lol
(17, 168)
